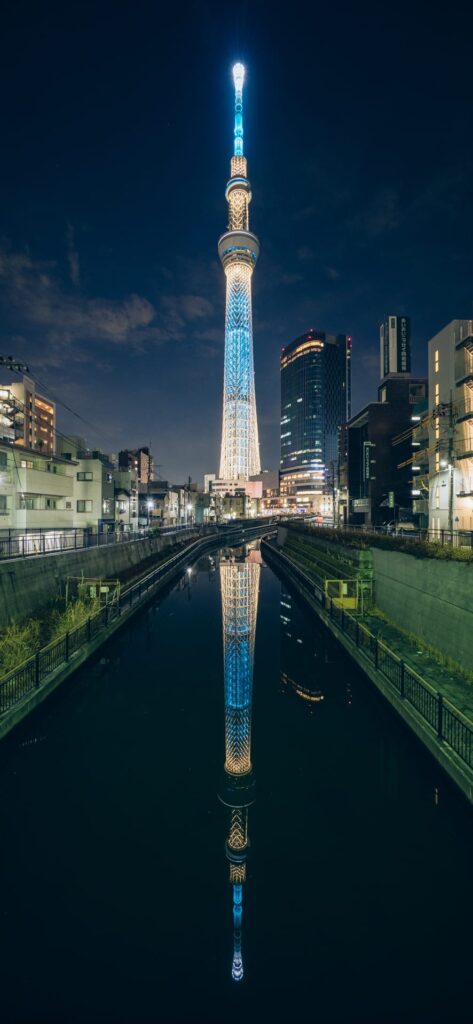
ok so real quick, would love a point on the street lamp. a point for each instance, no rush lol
(149, 505)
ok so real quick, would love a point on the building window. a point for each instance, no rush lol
(84, 505)
(3, 460)
(106, 507)
(108, 478)
(3, 505)
(437, 462)
(86, 475)
(26, 464)
(382, 395)
(436, 360)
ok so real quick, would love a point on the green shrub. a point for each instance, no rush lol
(75, 614)
(18, 643)
(361, 540)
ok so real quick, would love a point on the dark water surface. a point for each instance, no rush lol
(116, 903)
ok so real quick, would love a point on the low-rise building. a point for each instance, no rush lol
(125, 484)
(94, 494)
(36, 490)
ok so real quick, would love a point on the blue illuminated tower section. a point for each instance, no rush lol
(239, 581)
(238, 249)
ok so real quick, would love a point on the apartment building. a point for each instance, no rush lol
(37, 491)
(451, 428)
(125, 482)
(94, 491)
(27, 418)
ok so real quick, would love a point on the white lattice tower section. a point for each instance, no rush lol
(239, 583)
(239, 250)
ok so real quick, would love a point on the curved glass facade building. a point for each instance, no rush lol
(315, 402)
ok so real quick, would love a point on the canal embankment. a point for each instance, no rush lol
(430, 599)
(28, 585)
(28, 685)
(419, 697)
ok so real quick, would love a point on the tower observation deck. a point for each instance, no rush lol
(238, 250)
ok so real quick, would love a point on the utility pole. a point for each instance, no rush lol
(451, 456)
(9, 363)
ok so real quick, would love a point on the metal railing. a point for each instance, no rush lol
(41, 541)
(29, 676)
(452, 538)
(446, 721)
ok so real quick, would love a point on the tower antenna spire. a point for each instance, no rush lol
(238, 79)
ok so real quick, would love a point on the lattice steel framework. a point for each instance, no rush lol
(239, 250)
(239, 584)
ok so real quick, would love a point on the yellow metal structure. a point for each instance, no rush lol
(343, 593)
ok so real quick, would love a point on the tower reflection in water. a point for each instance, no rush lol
(239, 583)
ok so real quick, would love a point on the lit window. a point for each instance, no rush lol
(436, 361)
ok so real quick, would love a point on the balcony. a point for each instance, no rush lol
(466, 381)
(33, 481)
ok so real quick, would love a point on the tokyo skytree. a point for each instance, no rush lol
(239, 582)
(238, 249)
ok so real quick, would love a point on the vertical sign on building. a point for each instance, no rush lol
(367, 446)
(403, 345)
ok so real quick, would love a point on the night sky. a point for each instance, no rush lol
(117, 136)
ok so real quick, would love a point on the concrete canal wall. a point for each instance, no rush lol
(428, 597)
(451, 763)
(29, 584)
(431, 598)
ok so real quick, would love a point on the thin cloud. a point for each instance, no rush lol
(381, 215)
(72, 256)
(70, 324)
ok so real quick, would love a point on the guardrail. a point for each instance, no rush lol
(22, 544)
(450, 538)
(446, 721)
(29, 676)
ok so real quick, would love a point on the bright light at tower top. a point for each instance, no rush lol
(238, 76)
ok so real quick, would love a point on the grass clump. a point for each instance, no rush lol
(74, 615)
(18, 643)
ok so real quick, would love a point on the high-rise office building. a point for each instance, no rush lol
(395, 345)
(315, 402)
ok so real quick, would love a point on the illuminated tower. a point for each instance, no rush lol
(238, 249)
(239, 583)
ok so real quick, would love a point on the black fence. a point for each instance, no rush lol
(451, 538)
(28, 542)
(447, 722)
(36, 670)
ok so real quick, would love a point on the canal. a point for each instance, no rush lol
(325, 875)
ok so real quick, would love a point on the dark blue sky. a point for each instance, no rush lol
(117, 135)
